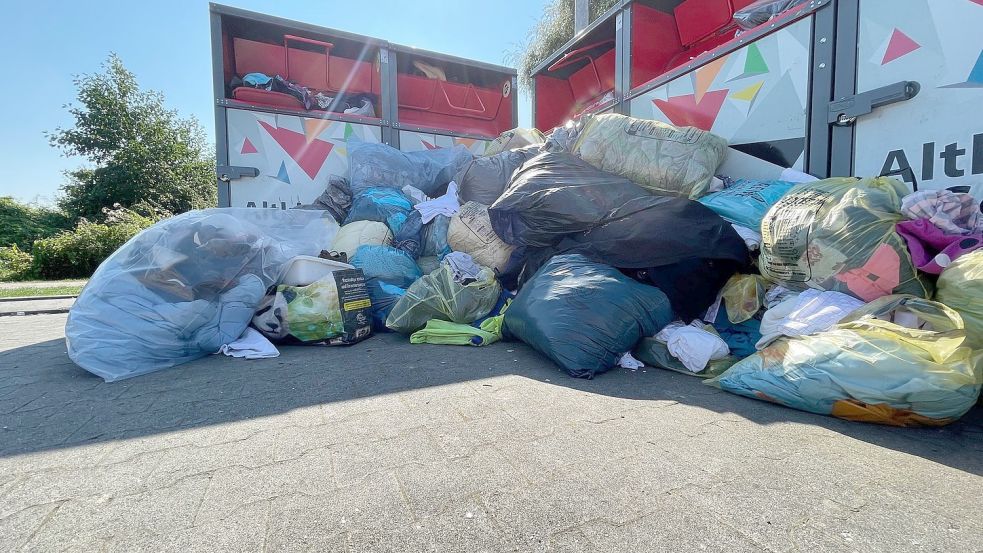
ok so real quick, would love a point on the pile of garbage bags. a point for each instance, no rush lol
(614, 241)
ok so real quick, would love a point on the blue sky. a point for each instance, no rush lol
(167, 45)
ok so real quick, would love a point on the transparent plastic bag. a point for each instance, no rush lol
(838, 234)
(960, 286)
(438, 296)
(762, 11)
(743, 296)
(667, 160)
(374, 165)
(514, 139)
(869, 369)
(186, 286)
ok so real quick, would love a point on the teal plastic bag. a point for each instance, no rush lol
(746, 201)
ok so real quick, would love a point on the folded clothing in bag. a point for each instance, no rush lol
(869, 369)
(838, 234)
(556, 194)
(584, 315)
(471, 232)
(674, 161)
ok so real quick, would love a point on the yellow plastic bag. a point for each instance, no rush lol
(961, 287)
(743, 296)
(870, 369)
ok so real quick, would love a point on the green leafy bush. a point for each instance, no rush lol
(21, 224)
(77, 253)
(15, 264)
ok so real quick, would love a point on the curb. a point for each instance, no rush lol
(37, 298)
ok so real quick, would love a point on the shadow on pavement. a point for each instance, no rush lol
(47, 402)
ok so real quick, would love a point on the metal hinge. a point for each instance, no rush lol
(228, 173)
(844, 112)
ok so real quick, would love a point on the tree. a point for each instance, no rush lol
(142, 152)
(552, 31)
(21, 224)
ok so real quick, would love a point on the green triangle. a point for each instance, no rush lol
(754, 64)
(348, 130)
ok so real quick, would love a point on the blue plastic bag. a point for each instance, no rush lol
(409, 238)
(387, 264)
(585, 315)
(746, 201)
(384, 297)
(378, 165)
(384, 205)
(434, 237)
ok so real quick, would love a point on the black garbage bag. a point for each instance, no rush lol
(678, 245)
(484, 179)
(556, 194)
(336, 199)
(584, 315)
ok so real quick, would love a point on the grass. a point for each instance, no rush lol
(24, 291)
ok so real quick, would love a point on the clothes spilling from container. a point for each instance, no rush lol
(614, 242)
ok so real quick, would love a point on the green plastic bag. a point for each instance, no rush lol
(960, 287)
(870, 369)
(438, 296)
(838, 235)
(456, 334)
(655, 353)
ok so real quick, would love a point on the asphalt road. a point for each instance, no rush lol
(386, 446)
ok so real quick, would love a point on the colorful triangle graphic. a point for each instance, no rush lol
(282, 175)
(754, 64)
(900, 45)
(309, 156)
(704, 76)
(686, 111)
(247, 147)
(429, 146)
(748, 94)
(975, 79)
(467, 142)
(314, 127)
(348, 130)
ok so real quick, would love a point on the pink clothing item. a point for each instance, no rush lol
(878, 277)
(932, 250)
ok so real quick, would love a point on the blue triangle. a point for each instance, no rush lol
(282, 174)
(976, 75)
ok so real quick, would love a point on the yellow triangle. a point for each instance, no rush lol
(468, 142)
(314, 127)
(748, 93)
(705, 76)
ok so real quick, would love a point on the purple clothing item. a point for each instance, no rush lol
(932, 250)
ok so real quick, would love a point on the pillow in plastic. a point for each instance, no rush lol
(185, 287)
(583, 315)
(838, 235)
(668, 160)
(361, 233)
(871, 367)
(514, 139)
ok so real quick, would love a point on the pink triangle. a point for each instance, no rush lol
(248, 148)
(980, 2)
(684, 111)
(310, 156)
(900, 45)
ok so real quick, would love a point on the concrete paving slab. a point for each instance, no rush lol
(387, 446)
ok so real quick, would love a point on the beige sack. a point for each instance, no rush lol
(471, 232)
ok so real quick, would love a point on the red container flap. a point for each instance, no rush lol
(350, 75)
(308, 69)
(266, 97)
(698, 19)
(259, 57)
(741, 4)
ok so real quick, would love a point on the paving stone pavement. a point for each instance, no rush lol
(385, 446)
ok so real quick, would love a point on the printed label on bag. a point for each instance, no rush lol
(652, 129)
(785, 236)
(356, 314)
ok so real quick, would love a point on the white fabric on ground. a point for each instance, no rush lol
(810, 312)
(445, 205)
(693, 345)
(629, 362)
(251, 345)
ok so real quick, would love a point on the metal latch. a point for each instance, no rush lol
(227, 173)
(845, 111)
